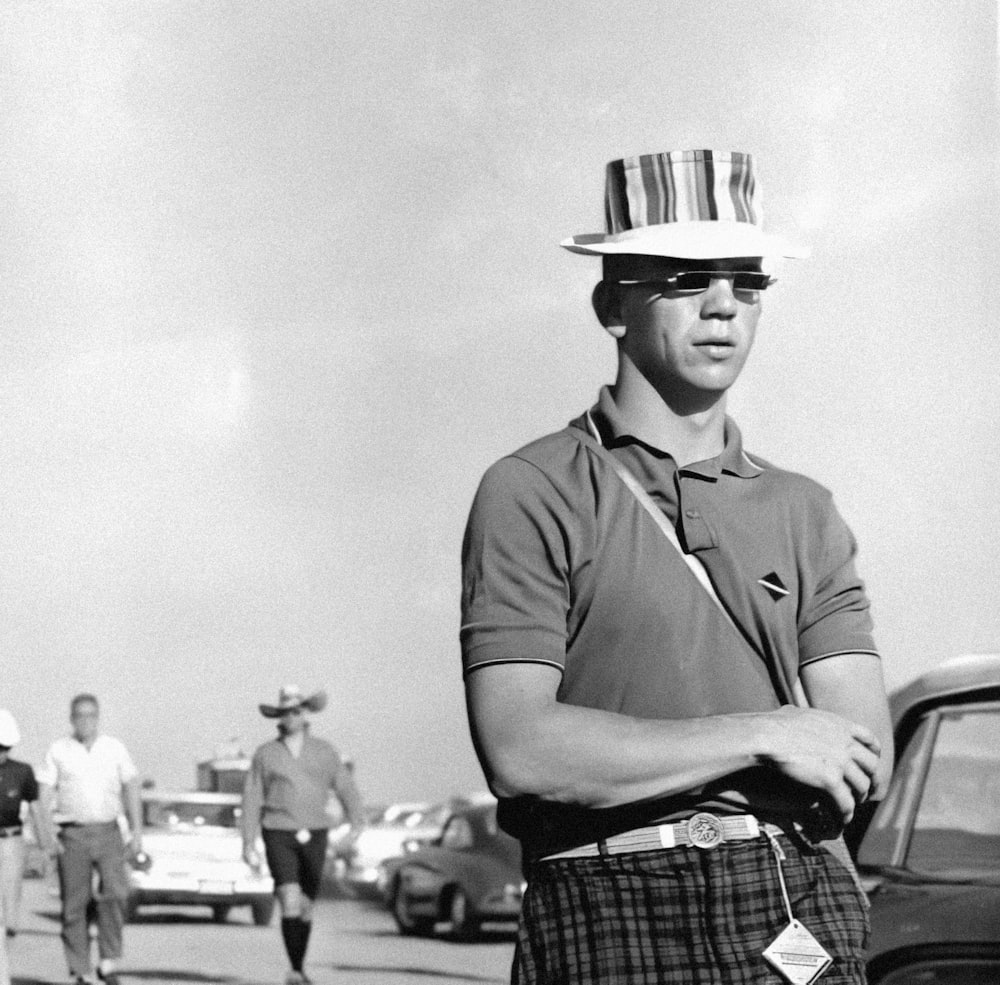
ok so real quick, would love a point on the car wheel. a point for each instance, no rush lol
(408, 924)
(463, 923)
(220, 913)
(262, 911)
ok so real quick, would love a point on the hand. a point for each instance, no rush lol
(252, 857)
(836, 756)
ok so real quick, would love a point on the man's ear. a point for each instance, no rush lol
(607, 303)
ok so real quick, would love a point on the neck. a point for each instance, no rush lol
(691, 427)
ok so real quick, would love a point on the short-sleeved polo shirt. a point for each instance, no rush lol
(563, 566)
(87, 781)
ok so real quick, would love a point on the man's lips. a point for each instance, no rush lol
(719, 346)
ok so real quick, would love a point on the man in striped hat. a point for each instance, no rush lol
(671, 677)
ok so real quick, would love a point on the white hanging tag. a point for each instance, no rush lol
(798, 955)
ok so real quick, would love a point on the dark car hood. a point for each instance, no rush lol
(905, 915)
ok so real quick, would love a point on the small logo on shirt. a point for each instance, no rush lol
(774, 585)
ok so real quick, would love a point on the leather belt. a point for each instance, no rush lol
(702, 830)
(11, 831)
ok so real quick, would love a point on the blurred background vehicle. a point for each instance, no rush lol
(193, 856)
(930, 857)
(391, 833)
(471, 876)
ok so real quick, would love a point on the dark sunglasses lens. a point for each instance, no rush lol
(693, 280)
(746, 281)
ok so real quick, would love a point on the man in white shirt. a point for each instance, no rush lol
(86, 780)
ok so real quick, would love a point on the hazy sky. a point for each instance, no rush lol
(280, 280)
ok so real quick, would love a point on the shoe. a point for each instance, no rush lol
(109, 977)
(295, 978)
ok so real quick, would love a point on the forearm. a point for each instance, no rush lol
(350, 798)
(851, 685)
(253, 799)
(601, 759)
(133, 809)
(42, 824)
(532, 745)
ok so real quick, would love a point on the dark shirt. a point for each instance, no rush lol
(17, 786)
(562, 566)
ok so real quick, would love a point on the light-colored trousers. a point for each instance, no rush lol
(12, 856)
(12, 853)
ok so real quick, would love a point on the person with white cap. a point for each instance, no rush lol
(18, 788)
(670, 672)
(285, 799)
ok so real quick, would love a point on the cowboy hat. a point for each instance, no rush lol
(289, 697)
(10, 734)
(690, 204)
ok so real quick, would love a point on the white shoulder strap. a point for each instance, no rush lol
(593, 439)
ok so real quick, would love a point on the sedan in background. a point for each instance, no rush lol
(398, 829)
(192, 856)
(930, 858)
(470, 877)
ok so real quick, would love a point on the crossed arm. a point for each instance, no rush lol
(531, 744)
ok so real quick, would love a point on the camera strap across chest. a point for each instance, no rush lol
(592, 439)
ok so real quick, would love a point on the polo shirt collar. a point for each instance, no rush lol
(615, 432)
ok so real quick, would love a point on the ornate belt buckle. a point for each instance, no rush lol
(704, 830)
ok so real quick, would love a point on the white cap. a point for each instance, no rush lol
(10, 734)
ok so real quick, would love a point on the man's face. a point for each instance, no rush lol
(84, 717)
(690, 345)
(292, 721)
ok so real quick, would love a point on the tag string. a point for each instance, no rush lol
(779, 857)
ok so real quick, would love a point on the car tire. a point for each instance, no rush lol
(409, 925)
(262, 912)
(220, 913)
(460, 916)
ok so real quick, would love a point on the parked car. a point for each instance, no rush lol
(470, 877)
(193, 850)
(930, 858)
(388, 836)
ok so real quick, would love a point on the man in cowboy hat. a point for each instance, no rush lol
(670, 672)
(18, 787)
(285, 799)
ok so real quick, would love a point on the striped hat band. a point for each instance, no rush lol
(697, 204)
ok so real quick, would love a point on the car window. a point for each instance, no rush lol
(458, 834)
(957, 822)
(942, 813)
(169, 814)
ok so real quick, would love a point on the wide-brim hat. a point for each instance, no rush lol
(690, 204)
(10, 734)
(291, 696)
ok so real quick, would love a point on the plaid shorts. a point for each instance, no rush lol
(686, 916)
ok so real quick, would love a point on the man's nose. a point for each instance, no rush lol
(719, 301)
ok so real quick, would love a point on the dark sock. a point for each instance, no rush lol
(306, 928)
(295, 932)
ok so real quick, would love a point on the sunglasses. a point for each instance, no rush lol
(696, 281)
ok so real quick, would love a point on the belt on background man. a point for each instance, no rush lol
(702, 830)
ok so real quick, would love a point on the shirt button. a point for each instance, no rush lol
(692, 514)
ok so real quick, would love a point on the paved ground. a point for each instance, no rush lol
(354, 943)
